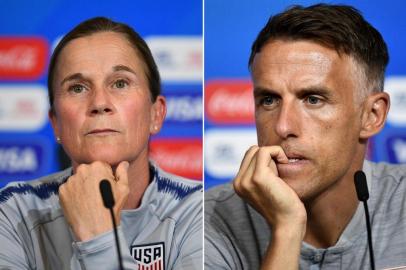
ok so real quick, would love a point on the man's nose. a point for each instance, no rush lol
(288, 121)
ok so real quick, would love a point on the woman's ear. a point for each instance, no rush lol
(54, 123)
(374, 115)
(158, 113)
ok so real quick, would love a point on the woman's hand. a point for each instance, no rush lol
(82, 203)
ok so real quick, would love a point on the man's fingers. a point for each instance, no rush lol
(243, 182)
(245, 163)
(267, 155)
(247, 159)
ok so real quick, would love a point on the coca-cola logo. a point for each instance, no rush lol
(22, 58)
(178, 156)
(229, 102)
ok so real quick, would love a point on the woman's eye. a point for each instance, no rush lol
(120, 84)
(77, 88)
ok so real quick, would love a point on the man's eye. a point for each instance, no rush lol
(76, 88)
(269, 101)
(120, 84)
(313, 100)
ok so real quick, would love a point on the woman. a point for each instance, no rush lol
(105, 102)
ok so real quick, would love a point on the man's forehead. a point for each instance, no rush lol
(300, 52)
(298, 65)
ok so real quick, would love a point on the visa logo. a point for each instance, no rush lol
(184, 108)
(17, 160)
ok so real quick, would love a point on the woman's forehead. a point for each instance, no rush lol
(98, 52)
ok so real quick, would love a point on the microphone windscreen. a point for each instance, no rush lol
(106, 193)
(361, 185)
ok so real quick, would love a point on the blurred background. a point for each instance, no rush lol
(29, 30)
(230, 28)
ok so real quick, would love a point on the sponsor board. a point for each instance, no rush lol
(178, 156)
(21, 160)
(23, 107)
(396, 146)
(225, 149)
(396, 87)
(183, 108)
(179, 58)
(149, 256)
(22, 58)
(229, 102)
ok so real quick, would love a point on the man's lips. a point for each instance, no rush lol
(295, 165)
(294, 158)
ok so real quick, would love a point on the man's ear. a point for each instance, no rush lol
(54, 123)
(374, 115)
(158, 113)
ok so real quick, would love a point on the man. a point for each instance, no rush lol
(318, 77)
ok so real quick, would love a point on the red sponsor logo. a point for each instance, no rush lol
(22, 58)
(229, 102)
(179, 156)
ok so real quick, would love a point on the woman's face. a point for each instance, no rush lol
(103, 108)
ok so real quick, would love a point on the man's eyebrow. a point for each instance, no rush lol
(261, 91)
(314, 90)
(123, 68)
(311, 90)
(75, 76)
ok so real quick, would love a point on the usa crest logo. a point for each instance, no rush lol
(149, 256)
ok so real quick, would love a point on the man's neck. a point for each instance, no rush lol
(329, 214)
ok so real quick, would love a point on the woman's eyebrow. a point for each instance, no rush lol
(75, 76)
(123, 68)
(80, 76)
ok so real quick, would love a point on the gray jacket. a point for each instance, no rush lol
(165, 232)
(236, 236)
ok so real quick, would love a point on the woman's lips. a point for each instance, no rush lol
(102, 132)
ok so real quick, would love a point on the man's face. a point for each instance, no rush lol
(103, 109)
(304, 100)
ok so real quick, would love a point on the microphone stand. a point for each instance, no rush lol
(361, 187)
(108, 201)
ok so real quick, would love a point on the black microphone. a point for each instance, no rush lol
(108, 201)
(361, 187)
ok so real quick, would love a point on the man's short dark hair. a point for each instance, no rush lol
(339, 27)
(102, 24)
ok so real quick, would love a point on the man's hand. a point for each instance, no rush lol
(82, 203)
(258, 183)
